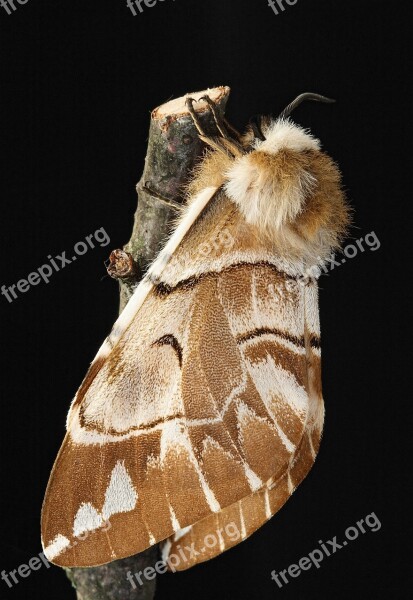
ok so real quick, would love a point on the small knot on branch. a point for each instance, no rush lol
(122, 266)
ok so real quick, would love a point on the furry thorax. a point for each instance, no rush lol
(285, 188)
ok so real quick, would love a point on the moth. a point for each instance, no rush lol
(204, 407)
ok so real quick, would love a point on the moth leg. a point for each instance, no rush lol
(190, 106)
(225, 145)
(219, 121)
(215, 143)
(232, 143)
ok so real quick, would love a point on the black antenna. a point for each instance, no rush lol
(255, 124)
(301, 98)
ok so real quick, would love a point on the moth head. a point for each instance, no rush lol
(284, 184)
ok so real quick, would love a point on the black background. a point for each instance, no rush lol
(78, 80)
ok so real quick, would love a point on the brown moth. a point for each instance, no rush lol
(203, 407)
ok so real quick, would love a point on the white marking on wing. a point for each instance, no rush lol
(267, 504)
(180, 534)
(175, 523)
(175, 438)
(56, 547)
(241, 516)
(254, 481)
(120, 495)
(87, 519)
(313, 452)
(272, 380)
(166, 548)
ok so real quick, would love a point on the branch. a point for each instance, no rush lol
(173, 149)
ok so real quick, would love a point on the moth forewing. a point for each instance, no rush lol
(203, 407)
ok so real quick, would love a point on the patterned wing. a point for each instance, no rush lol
(201, 406)
(218, 532)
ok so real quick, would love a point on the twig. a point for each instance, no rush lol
(173, 149)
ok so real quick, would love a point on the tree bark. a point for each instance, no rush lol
(173, 149)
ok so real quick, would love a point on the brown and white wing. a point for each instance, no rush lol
(202, 405)
(221, 531)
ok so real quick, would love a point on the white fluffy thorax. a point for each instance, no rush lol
(284, 134)
(269, 193)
